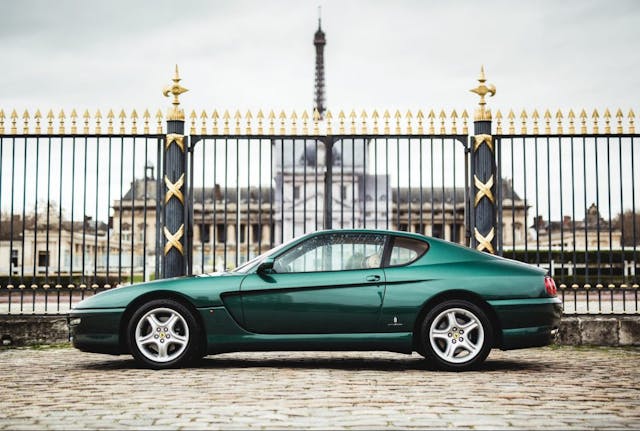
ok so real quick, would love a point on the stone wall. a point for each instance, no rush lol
(574, 330)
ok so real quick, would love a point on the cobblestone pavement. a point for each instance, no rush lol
(554, 387)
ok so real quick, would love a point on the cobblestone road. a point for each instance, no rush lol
(554, 388)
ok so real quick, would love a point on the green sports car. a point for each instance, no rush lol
(332, 290)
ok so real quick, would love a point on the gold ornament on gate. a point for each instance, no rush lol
(482, 113)
(176, 89)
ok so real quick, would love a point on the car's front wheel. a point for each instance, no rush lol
(456, 335)
(163, 334)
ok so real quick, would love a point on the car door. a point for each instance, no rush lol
(330, 283)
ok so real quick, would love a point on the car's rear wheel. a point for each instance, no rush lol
(163, 334)
(456, 335)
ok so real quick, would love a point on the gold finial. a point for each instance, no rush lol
(512, 126)
(431, 116)
(375, 117)
(328, 116)
(547, 122)
(25, 117)
(341, 117)
(203, 126)
(583, 122)
(559, 119)
(499, 122)
(61, 117)
(523, 117)
(572, 117)
(193, 117)
(619, 116)
(98, 117)
(409, 117)
(316, 120)
(146, 116)
(398, 117)
(294, 121)
(238, 117)
(260, 119)
(454, 117)
(122, 116)
(595, 117)
(1, 122)
(305, 122)
(443, 117)
(465, 127)
(225, 118)
(272, 117)
(215, 117)
(110, 117)
(134, 121)
(607, 121)
(631, 116)
(176, 89)
(74, 122)
(483, 114)
(86, 116)
(386, 117)
(420, 117)
(38, 117)
(14, 119)
(159, 122)
(363, 116)
(283, 118)
(352, 117)
(536, 117)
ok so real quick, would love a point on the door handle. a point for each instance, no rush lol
(373, 278)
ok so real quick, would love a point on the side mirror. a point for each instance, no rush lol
(265, 267)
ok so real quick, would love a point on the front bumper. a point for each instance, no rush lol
(530, 322)
(97, 330)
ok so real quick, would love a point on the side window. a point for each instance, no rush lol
(406, 250)
(333, 252)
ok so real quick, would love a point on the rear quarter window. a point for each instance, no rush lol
(406, 250)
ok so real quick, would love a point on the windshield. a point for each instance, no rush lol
(253, 263)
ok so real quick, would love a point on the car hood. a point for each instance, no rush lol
(202, 291)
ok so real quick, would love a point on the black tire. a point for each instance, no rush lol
(439, 334)
(158, 346)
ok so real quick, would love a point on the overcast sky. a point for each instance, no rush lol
(407, 54)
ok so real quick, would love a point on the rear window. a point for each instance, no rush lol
(406, 250)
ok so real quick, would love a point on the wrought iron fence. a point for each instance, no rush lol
(73, 221)
(82, 212)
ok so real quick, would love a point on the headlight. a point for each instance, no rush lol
(74, 321)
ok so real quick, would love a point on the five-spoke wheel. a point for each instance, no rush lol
(163, 334)
(456, 335)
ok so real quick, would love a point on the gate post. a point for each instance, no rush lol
(173, 229)
(483, 174)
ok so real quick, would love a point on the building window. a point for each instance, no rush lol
(221, 233)
(455, 233)
(403, 227)
(243, 233)
(344, 192)
(256, 233)
(14, 257)
(43, 258)
(205, 237)
(296, 192)
(437, 231)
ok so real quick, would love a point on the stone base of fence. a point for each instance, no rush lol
(574, 330)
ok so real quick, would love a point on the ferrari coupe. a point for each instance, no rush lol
(342, 290)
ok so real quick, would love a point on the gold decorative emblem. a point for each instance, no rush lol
(174, 189)
(173, 240)
(480, 139)
(484, 242)
(484, 189)
(176, 89)
(483, 114)
(177, 138)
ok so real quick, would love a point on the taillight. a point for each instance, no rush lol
(550, 286)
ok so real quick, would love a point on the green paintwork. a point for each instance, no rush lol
(361, 309)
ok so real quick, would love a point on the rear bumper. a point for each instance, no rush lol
(97, 330)
(530, 322)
